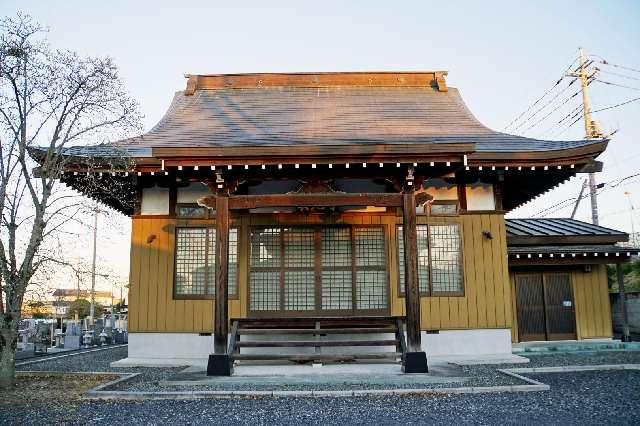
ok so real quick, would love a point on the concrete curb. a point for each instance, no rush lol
(123, 395)
(99, 392)
(531, 385)
(65, 355)
(569, 369)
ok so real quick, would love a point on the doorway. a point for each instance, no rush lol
(545, 307)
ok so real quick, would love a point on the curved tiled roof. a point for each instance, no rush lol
(346, 115)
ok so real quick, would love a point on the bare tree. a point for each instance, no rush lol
(49, 100)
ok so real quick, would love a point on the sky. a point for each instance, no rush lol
(502, 55)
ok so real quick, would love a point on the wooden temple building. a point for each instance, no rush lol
(329, 216)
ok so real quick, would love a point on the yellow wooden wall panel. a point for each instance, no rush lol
(485, 276)
(143, 313)
(154, 277)
(607, 326)
(470, 287)
(498, 281)
(134, 274)
(590, 305)
(162, 278)
(591, 297)
(477, 259)
(514, 310)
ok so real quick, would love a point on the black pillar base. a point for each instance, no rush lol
(415, 362)
(219, 365)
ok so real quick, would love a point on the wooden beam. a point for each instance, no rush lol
(221, 317)
(241, 202)
(412, 293)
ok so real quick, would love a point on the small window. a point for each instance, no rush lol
(195, 268)
(191, 211)
(444, 208)
(439, 259)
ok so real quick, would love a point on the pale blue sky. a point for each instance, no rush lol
(502, 55)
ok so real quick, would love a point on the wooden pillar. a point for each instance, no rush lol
(623, 304)
(412, 291)
(221, 317)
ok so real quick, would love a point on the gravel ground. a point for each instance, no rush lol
(583, 358)
(606, 397)
(575, 398)
(477, 375)
(149, 377)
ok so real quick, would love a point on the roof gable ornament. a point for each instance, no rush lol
(434, 79)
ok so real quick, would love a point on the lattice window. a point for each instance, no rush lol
(191, 261)
(299, 290)
(195, 268)
(423, 257)
(439, 259)
(264, 278)
(299, 269)
(370, 263)
(337, 272)
(290, 266)
(369, 246)
(446, 265)
(264, 290)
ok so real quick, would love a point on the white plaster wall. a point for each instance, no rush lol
(447, 342)
(155, 201)
(467, 342)
(480, 197)
(190, 194)
(169, 345)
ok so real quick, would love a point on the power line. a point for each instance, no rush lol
(616, 84)
(543, 96)
(602, 186)
(572, 123)
(618, 74)
(605, 62)
(534, 104)
(552, 111)
(522, 123)
(572, 114)
(618, 105)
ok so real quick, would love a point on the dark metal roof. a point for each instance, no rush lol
(559, 231)
(570, 249)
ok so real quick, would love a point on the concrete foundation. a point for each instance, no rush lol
(181, 349)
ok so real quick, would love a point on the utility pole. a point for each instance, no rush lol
(590, 128)
(632, 239)
(575, 207)
(93, 268)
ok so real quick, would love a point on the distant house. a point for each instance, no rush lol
(63, 297)
(294, 200)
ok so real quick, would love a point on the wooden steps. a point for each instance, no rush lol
(261, 339)
(314, 343)
(360, 330)
(317, 357)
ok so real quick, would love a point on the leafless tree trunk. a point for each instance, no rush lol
(49, 100)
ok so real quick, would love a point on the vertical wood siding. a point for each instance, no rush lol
(590, 298)
(593, 309)
(151, 304)
(487, 300)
